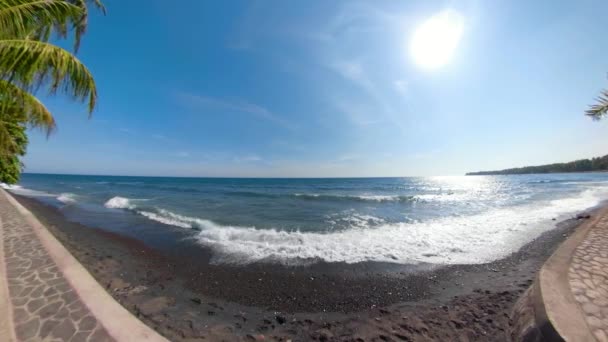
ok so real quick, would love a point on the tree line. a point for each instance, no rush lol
(582, 165)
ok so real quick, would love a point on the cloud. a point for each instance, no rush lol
(250, 158)
(354, 72)
(349, 157)
(159, 137)
(358, 113)
(431, 154)
(200, 101)
(401, 87)
(183, 154)
(377, 105)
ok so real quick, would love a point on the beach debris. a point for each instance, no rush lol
(117, 284)
(138, 289)
(154, 305)
(583, 216)
(280, 319)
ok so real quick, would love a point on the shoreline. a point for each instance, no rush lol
(190, 300)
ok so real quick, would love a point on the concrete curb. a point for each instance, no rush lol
(119, 323)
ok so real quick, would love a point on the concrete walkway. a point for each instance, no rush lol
(46, 295)
(588, 278)
(569, 299)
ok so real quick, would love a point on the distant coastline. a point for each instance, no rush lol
(598, 164)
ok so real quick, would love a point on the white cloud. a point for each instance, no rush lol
(250, 158)
(183, 154)
(358, 113)
(401, 87)
(159, 137)
(349, 157)
(200, 101)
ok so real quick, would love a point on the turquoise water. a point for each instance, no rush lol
(441, 220)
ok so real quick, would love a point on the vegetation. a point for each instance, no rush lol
(29, 63)
(583, 165)
(600, 108)
(10, 165)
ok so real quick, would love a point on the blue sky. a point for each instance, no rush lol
(329, 88)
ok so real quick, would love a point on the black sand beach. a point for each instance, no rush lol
(185, 297)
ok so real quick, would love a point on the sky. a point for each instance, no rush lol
(330, 89)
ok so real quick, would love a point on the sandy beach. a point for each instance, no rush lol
(189, 301)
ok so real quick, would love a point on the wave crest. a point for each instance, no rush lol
(118, 202)
(173, 219)
(359, 198)
(67, 198)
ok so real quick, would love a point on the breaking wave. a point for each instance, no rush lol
(467, 239)
(362, 198)
(449, 240)
(119, 203)
(67, 198)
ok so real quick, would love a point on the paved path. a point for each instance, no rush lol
(569, 298)
(588, 278)
(51, 297)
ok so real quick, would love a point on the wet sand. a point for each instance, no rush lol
(184, 296)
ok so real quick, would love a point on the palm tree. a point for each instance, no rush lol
(600, 108)
(29, 63)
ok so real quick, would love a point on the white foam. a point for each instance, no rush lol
(10, 186)
(456, 240)
(19, 190)
(67, 198)
(353, 220)
(374, 198)
(382, 198)
(169, 218)
(118, 202)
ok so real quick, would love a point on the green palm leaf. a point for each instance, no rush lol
(600, 108)
(38, 18)
(25, 107)
(81, 26)
(31, 64)
(28, 63)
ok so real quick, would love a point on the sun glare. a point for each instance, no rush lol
(435, 40)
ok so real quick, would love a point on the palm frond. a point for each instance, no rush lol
(599, 109)
(23, 18)
(13, 136)
(23, 106)
(7, 144)
(30, 64)
(80, 27)
(39, 19)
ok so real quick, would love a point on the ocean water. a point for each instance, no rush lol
(437, 220)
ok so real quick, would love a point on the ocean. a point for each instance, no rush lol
(432, 220)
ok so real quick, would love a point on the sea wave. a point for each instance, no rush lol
(118, 202)
(359, 198)
(158, 214)
(173, 219)
(10, 186)
(19, 190)
(67, 198)
(327, 196)
(456, 240)
(464, 239)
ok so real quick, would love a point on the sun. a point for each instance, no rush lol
(434, 41)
